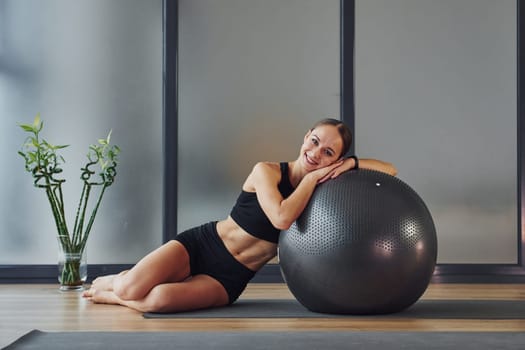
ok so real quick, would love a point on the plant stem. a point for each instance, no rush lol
(79, 218)
(71, 274)
(62, 230)
(93, 214)
(60, 202)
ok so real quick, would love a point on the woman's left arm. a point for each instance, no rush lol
(371, 164)
(379, 165)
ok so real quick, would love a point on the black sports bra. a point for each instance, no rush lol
(248, 214)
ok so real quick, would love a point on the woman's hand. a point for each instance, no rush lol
(329, 172)
(344, 165)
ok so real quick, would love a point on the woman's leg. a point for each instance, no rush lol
(161, 282)
(169, 263)
(201, 291)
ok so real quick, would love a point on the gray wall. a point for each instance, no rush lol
(436, 94)
(87, 66)
(254, 76)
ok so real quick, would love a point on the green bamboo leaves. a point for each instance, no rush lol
(44, 163)
(41, 158)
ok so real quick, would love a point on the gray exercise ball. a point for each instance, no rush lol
(365, 244)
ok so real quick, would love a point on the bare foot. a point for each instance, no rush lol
(104, 283)
(101, 296)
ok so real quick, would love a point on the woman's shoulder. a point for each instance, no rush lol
(263, 172)
(267, 166)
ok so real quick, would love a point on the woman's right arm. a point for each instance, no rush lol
(282, 212)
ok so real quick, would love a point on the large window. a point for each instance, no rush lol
(435, 92)
(87, 66)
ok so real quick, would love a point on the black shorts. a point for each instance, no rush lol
(209, 256)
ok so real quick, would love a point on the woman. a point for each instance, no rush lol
(210, 265)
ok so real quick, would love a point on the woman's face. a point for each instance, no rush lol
(322, 146)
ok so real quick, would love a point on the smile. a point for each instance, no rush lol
(309, 160)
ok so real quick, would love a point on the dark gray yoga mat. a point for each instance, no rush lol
(270, 340)
(429, 309)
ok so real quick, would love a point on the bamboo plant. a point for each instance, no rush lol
(44, 163)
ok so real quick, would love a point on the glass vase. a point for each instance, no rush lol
(72, 267)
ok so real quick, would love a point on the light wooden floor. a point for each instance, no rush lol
(27, 307)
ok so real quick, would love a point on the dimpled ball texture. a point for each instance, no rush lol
(365, 244)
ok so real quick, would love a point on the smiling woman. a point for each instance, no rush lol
(211, 264)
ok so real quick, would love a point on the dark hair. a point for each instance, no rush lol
(346, 134)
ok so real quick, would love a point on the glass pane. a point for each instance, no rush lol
(254, 76)
(436, 95)
(88, 67)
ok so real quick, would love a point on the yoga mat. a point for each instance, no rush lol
(269, 340)
(427, 309)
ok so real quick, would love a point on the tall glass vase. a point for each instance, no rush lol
(72, 266)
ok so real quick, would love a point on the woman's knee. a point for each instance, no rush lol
(157, 300)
